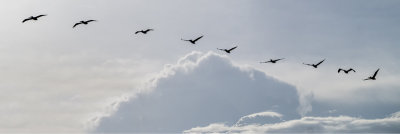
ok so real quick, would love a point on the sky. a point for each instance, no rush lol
(94, 78)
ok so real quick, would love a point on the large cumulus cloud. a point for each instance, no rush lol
(203, 88)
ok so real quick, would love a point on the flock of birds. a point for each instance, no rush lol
(193, 41)
(373, 77)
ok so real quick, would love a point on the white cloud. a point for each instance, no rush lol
(269, 114)
(338, 124)
(203, 88)
(206, 88)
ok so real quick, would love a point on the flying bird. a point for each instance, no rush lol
(346, 71)
(228, 50)
(33, 17)
(315, 65)
(372, 77)
(143, 31)
(83, 22)
(193, 41)
(272, 61)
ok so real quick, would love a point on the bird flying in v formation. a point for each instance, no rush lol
(228, 50)
(373, 77)
(315, 65)
(193, 41)
(82, 22)
(144, 31)
(346, 71)
(272, 60)
(33, 17)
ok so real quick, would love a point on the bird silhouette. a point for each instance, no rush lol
(372, 77)
(143, 31)
(33, 18)
(272, 61)
(315, 65)
(193, 41)
(346, 71)
(228, 50)
(83, 22)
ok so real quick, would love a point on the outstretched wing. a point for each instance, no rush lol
(232, 48)
(221, 49)
(265, 62)
(149, 30)
(41, 15)
(376, 72)
(137, 32)
(90, 21)
(76, 24)
(26, 20)
(320, 62)
(338, 71)
(279, 59)
(307, 64)
(198, 38)
(351, 69)
(184, 39)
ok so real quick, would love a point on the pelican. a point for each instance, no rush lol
(272, 61)
(372, 77)
(346, 71)
(228, 50)
(143, 31)
(193, 41)
(315, 65)
(83, 22)
(33, 17)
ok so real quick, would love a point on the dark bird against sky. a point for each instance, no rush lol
(272, 61)
(193, 41)
(228, 50)
(346, 71)
(315, 65)
(33, 18)
(143, 31)
(373, 77)
(82, 22)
